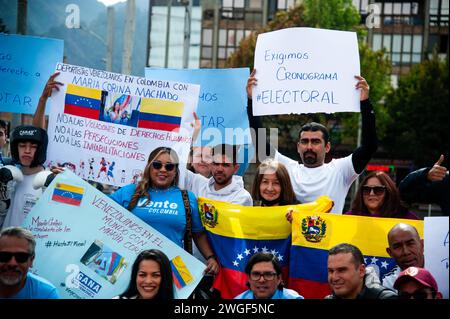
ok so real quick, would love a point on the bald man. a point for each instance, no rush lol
(406, 247)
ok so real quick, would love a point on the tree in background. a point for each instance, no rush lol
(375, 67)
(418, 114)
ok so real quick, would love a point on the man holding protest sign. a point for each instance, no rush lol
(314, 177)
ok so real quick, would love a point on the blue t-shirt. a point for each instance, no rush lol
(279, 294)
(165, 212)
(36, 288)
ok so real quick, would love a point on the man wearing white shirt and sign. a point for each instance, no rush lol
(314, 177)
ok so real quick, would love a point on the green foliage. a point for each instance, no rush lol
(334, 15)
(245, 53)
(418, 114)
(375, 68)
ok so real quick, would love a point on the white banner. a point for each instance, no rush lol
(103, 125)
(436, 242)
(306, 70)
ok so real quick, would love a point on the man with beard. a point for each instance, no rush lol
(406, 247)
(16, 257)
(314, 177)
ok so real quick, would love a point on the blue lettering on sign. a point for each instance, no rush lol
(211, 121)
(282, 56)
(284, 75)
(87, 284)
(296, 96)
(8, 98)
(208, 97)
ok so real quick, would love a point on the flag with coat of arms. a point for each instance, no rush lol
(238, 232)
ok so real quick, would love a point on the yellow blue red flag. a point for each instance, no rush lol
(83, 101)
(314, 234)
(161, 115)
(237, 232)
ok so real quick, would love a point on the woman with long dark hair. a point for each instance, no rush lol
(378, 196)
(151, 277)
(272, 185)
(158, 201)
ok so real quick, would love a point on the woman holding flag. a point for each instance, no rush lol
(272, 185)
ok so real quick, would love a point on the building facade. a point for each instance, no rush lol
(408, 30)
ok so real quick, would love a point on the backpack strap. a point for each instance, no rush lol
(188, 232)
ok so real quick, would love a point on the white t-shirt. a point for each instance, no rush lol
(23, 199)
(332, 179)
(234, 193)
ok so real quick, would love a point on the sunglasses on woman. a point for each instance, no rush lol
(168, 166)
(21, 257)
(377, 190)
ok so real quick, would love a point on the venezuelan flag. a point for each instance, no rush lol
(68, 194)
(161, 115)
(181, 274)
(314, 234)
(237, 232)
(83, 101)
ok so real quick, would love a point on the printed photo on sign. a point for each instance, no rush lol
(105, 262)
(121, 109)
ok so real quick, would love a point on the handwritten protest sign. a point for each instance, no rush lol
(436, 250)
(306, 70)
(25, 64)
(222, 105)
(103, 125)
(87, 243)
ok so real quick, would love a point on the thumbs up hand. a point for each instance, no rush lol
(437, 172)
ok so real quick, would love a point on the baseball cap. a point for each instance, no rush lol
(420, 275)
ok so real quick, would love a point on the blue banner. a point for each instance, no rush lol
(86, 243)
(25, 65)
(222, 106)
(222, 102)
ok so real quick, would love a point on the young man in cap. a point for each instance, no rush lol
(28, 151)
(417, 283)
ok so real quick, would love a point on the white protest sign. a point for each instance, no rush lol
(436, 250)
(86, 243)
(103, 125)
(306, 70)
